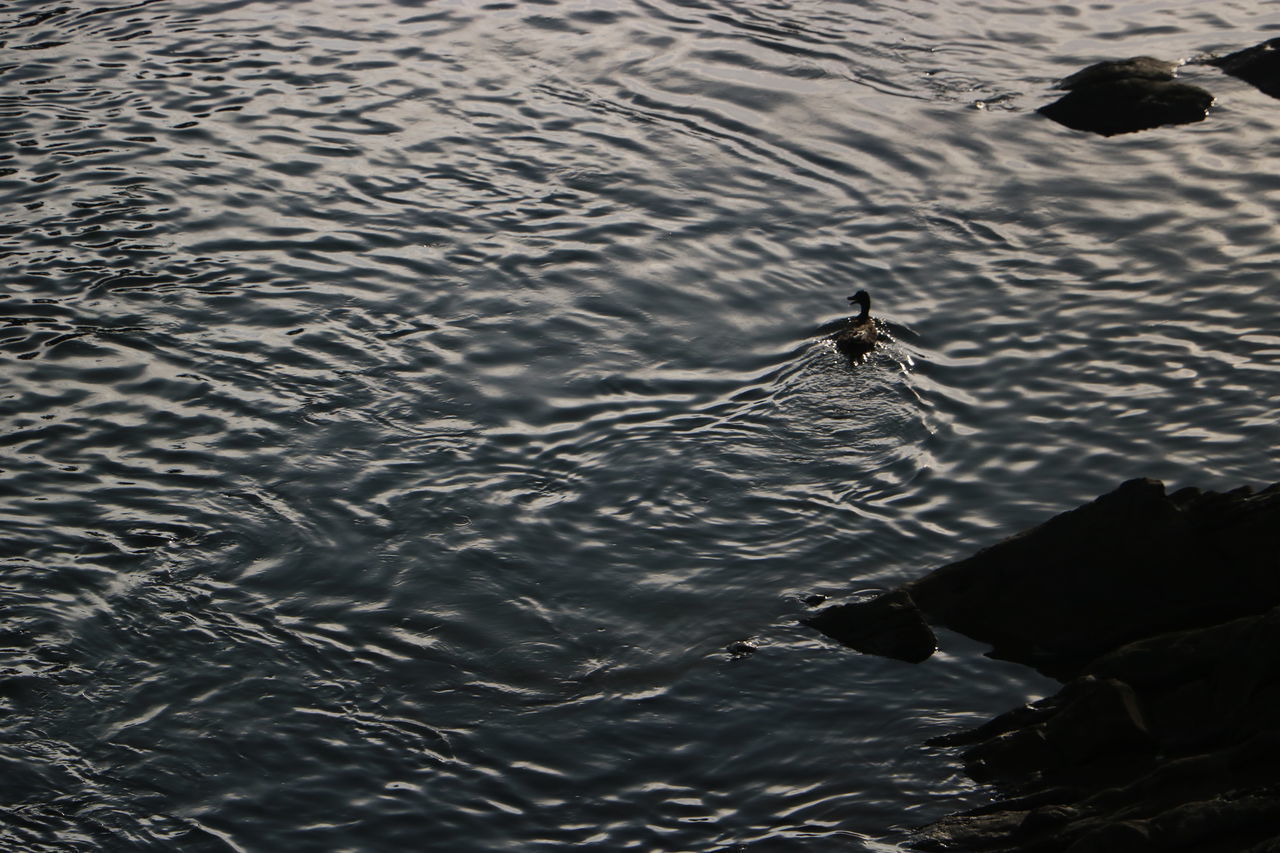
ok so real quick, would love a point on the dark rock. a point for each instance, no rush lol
(1048, 818)
(1204, 687)
(1225, 800)
(1258, 65)
(973, 831)
(1128, 104)
(1117, 837)
(1089, 719)
(1206, 822)
(1167, 743)
(1131, 564)
(889, 625)
(1125, 96)
(1135, 68)
(1162, 613)
(1027, 715)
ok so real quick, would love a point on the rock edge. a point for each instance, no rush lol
(1160, 613)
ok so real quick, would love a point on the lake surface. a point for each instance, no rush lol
(405, 404)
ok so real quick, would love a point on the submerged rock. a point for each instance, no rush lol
(1258, 65)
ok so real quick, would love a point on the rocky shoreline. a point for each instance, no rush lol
(1160, 615)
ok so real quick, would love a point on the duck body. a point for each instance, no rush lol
(857, 336)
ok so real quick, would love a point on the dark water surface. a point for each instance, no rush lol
(405, 403)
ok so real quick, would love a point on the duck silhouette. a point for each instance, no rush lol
(854, 336)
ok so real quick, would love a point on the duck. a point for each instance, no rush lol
(856, 336)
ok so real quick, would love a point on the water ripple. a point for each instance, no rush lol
(407, 405)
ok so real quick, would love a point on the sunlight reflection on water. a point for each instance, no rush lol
(407, 404)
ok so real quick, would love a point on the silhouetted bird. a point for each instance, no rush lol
(856, 336)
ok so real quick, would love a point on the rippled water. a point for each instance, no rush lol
(406, 403)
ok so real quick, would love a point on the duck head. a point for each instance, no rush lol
(863, 300)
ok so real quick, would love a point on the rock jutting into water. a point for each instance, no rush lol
(1125, 96)
(890, 625)
(1133, 563)
(1161, 615)
(1258, 65)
